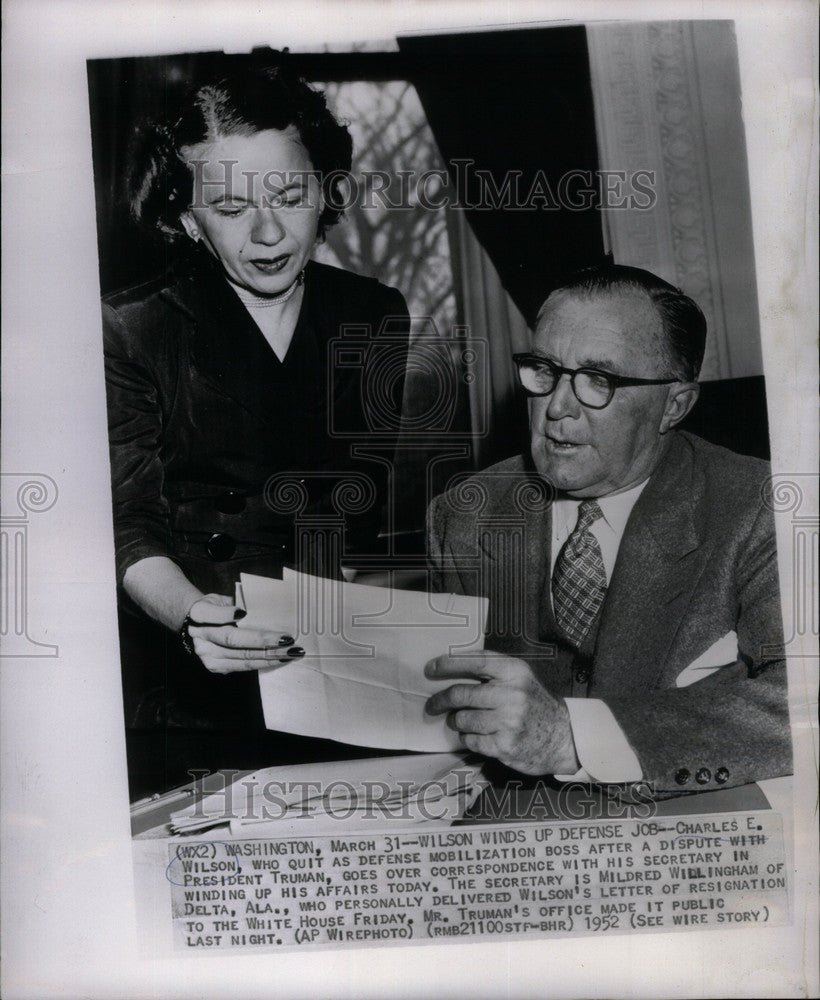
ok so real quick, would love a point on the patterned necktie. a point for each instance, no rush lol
(579, 578)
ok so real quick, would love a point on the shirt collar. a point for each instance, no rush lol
(616, 508)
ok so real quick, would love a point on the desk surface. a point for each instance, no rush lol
(506, 799)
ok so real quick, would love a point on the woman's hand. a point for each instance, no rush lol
(223, 648)
(163, 591)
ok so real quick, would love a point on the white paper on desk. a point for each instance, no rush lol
(406, 790)
(362, 678)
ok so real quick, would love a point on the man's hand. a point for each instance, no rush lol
(225, 649)
(509, 716)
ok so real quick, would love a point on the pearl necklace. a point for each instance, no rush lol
(263, 301)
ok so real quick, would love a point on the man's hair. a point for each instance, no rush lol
(684, 324)
(160, 183)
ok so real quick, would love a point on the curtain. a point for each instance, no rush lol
(513, 117)
(667, 100)
(512, 114)
(497, 411)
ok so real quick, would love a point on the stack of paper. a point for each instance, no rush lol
(362, 679)
(406, 790)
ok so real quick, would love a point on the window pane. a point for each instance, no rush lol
(387, 234)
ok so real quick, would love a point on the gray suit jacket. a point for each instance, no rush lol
(697, 560)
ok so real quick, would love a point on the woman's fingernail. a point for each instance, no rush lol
(239, 613)
(296, 651)
(286, 640)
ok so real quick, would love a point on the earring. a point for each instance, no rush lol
(195, 235)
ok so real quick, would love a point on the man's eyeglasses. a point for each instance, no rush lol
(595, 389)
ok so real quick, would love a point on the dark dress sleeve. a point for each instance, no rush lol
(135, 423)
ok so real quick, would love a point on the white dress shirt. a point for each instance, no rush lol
(602, 748)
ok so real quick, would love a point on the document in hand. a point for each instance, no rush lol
(362, 679)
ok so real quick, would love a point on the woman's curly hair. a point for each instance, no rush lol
(160, 182)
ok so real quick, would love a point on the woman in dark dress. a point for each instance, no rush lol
(222, 383)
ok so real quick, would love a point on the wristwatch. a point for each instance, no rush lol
(185, 636)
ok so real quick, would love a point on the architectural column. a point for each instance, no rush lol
(22, 494)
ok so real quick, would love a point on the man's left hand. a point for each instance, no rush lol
(509, 716)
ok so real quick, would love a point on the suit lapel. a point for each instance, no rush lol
(659, 563)
(228, 350)
(515, 543)
(328, 313)
(538, 545)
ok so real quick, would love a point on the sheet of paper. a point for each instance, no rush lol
(362, 678)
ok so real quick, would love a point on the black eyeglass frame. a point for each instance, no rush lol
(614, 381)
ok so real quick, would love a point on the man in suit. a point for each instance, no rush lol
(635, 628)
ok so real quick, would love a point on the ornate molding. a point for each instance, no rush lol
(649, 117)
